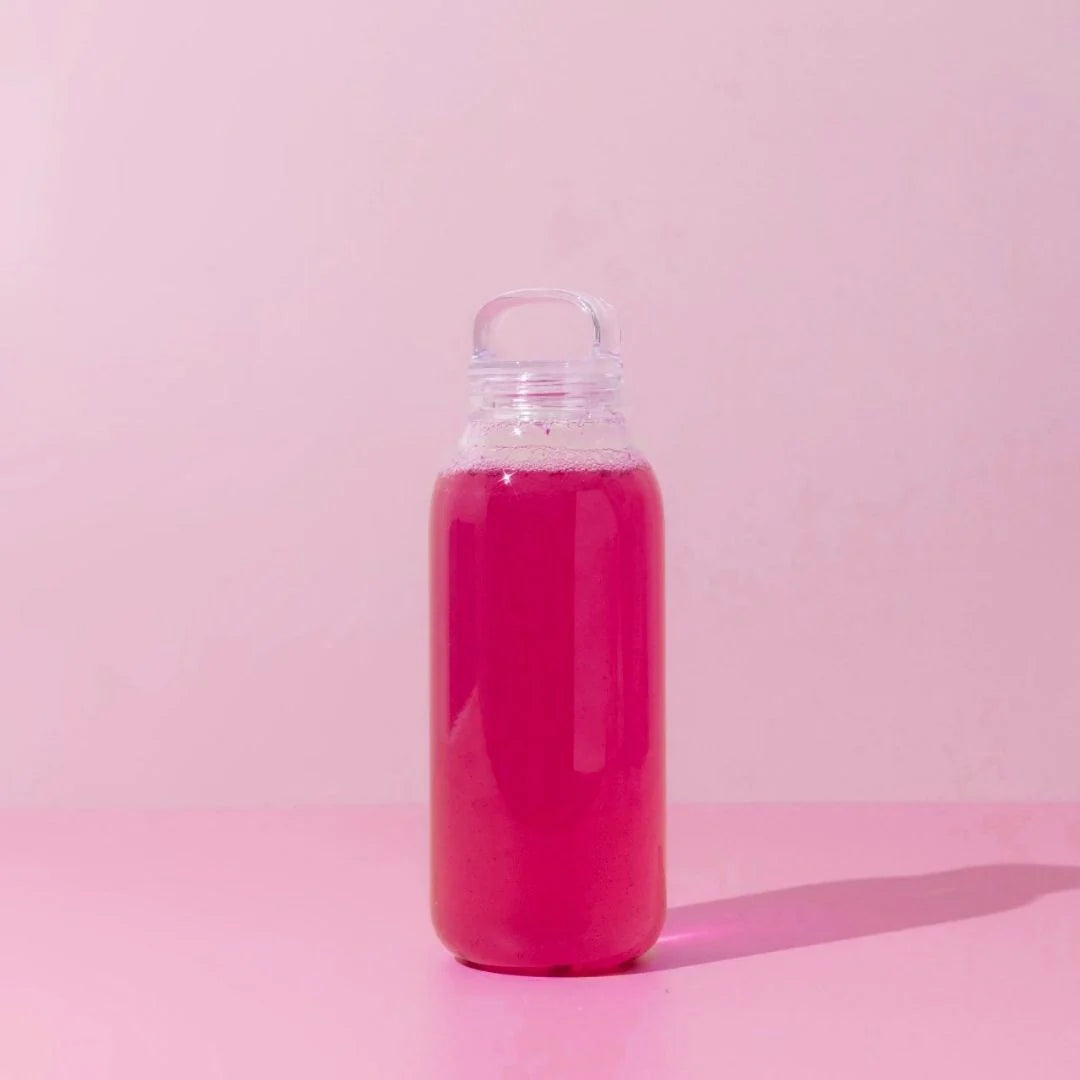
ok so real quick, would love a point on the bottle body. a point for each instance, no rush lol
(547, 748)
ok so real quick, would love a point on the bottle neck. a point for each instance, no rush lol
(578, 391)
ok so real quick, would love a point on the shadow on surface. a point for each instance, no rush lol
(841, 910)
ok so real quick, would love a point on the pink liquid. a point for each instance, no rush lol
(547, 717)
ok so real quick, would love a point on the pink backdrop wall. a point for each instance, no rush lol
(241, 246)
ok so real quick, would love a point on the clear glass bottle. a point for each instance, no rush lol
(547, 745)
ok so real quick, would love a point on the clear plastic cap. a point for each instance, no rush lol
(541, 378)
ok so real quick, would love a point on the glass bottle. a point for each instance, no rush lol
(547, 745)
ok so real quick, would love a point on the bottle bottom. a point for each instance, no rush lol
(489, 946)
(606, 967)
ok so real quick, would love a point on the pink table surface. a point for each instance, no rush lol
(823, 941)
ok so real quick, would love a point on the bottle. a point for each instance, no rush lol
(547, 744)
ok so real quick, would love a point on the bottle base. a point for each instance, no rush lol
(557, 971)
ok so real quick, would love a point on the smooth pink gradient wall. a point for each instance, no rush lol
(242, 243)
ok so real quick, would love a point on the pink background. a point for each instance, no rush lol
(241, 245)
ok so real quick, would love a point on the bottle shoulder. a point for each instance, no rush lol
(546, 445)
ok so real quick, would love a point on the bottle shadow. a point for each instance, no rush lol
(841, 910)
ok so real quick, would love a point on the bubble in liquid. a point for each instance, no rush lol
(544, 459)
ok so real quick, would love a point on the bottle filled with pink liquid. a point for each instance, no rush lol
(547, 736)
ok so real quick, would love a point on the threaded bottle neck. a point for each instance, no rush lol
(538, 390)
